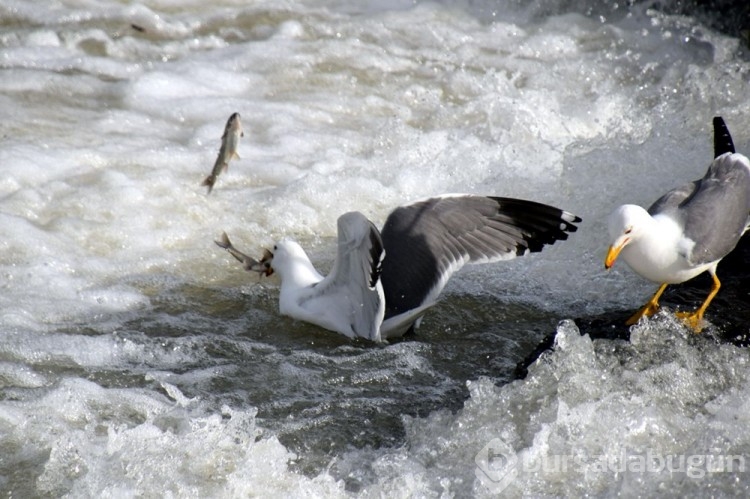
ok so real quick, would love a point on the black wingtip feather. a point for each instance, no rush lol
(542, 224)
(722, 138)
(376, 256)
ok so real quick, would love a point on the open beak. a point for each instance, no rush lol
(265, 262)
(613, 253)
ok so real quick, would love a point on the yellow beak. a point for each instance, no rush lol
(613, 253)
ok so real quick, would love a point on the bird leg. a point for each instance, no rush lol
(650, 308)
(693, 319)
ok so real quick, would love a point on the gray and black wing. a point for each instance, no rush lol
(426, 242)
(716, 215)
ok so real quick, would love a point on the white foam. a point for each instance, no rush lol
(592, 417)
(114, 441)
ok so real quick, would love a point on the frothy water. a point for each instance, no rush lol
(138, 359)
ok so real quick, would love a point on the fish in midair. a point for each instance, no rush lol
(228, 151)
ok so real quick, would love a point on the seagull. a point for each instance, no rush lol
(383, 282)
(688, 230)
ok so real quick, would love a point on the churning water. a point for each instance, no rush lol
(138, 359)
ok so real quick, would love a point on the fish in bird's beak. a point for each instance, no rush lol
(266, 261)
(248, 263)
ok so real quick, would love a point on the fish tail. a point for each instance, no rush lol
(224, 242)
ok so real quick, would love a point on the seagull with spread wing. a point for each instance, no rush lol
(383, 282)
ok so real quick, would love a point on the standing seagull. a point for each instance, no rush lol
(382, 283)
(688, 230)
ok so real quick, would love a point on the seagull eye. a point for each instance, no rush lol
(628, 230)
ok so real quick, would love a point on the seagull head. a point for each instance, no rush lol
(625, 226)
(286, 256)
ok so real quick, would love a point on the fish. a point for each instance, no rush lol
(228, 150)
(262, 266)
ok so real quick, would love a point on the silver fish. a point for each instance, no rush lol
(248, 263)
(228, 150)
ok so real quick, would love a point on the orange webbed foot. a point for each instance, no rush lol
(647, 310)
(693, 320)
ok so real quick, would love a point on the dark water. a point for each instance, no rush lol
(321, 393)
